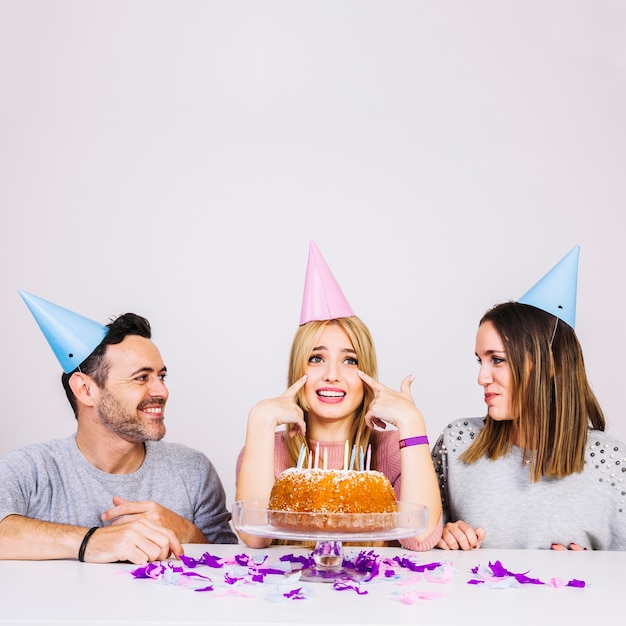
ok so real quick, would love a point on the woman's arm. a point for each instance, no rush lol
(256, 472)
(418, 478)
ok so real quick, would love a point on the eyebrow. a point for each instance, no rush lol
(488, 352)
(148, 370)
(348, 350)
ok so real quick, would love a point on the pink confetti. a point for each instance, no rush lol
(409, 581)
(441, 575)
(232, 592)
(411, 597)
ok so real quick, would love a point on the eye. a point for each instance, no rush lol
(142, 379)
(479, 361)
(496, 360)
(350, 360)
(162, 377)
(316, 358)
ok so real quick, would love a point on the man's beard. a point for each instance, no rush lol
(128, 425)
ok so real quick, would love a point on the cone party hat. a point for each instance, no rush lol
(323, 298)
(72, 337)
(556, 291)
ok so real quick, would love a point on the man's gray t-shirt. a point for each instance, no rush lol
(53, 482)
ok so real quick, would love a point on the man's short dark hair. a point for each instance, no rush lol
(95, 365)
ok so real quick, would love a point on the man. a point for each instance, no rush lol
(113, 491)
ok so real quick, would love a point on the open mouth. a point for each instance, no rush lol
(153, 407)
(153, 410)
(326, 393)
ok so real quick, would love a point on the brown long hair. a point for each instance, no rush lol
(552, 400)
(303, 342)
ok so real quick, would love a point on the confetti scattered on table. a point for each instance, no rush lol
(240, 575)
(497, 576)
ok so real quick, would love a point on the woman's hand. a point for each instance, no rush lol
(572, 546)
(395, 407)
(273, 412)
(256, 471)
(461, 536)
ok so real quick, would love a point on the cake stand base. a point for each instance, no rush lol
(328, 559)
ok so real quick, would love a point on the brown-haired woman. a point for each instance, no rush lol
(538, 471)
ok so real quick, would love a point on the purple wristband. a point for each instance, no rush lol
(413, 441)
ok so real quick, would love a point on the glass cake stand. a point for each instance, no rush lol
(329, 531)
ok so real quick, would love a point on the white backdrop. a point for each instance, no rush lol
(175, 158)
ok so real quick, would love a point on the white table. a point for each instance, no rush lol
(69, 592)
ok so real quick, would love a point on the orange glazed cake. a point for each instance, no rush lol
(333, 500)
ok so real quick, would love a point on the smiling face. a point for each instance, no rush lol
(132, 402)
(495, 372)
(333, 391)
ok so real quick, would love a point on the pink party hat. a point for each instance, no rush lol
(556, 291)
(323, 298)
(72, 337)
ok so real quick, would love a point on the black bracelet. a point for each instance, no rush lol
(83, 545)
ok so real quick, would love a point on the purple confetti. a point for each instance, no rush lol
(498, 570)
(366, 563)
(500, 574)
(151, 570)
(231, 580)
(415, 567)
(195, 575)
(206, 559)
(349, 585)
(305, 561)
(295, 594)
(266, 571)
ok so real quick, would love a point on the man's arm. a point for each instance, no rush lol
(29, 539)
(138, 541)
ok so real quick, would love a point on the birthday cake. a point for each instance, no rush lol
(332, 500)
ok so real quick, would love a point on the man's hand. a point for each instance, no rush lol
(124, 511)
(137, 541)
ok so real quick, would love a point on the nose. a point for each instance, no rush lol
(158, 388)
(331, 373)
(484, 375)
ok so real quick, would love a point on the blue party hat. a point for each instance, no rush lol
(556, 291)
(72, 337)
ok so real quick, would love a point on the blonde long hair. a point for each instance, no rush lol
(552, 400)
(303, 342)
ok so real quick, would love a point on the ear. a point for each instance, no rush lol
(84, 388)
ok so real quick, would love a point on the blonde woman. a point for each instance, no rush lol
(334, 397)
